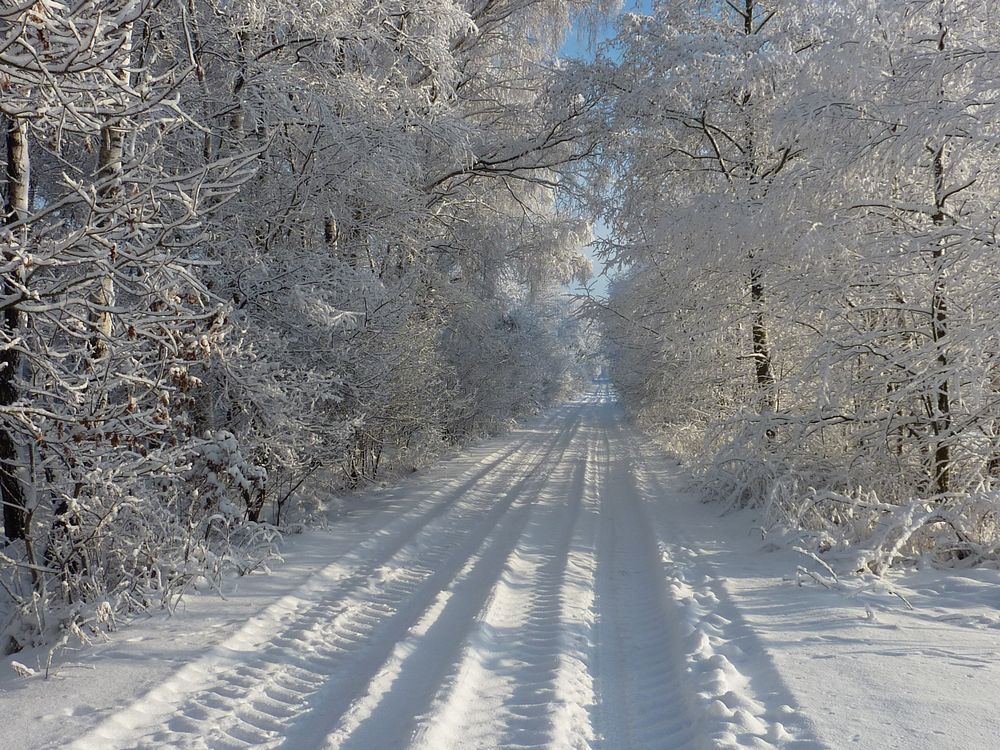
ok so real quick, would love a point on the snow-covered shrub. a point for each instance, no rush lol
(126, 544)
(222, 483)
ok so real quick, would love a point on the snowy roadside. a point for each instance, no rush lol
(88, 683)
(864, 668)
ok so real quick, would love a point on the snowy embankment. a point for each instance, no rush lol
(552, 588)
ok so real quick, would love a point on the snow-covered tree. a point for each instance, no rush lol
(251, 245)
(827, 224)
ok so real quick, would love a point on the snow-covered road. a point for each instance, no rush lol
(550, 589)
(520, 601)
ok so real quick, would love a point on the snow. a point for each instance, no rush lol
(556, 587)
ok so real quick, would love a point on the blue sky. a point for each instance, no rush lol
(578, 41)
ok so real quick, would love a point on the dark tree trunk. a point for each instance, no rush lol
(764, 367)
(762, 357)
(18, 173)
(942, 418)
(941, 422)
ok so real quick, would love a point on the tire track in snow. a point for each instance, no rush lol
(522, 680)
(405, 665)
(541, 682)
(737, 696)
(245, 690)
(640, 671)
(569, 721)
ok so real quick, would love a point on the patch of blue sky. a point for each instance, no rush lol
(583, 41)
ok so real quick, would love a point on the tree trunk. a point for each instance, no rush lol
(18, 173)
(109, 179)
(763, 365)
(941, 422)
(942, 418)
(762, 358)
(109, 168)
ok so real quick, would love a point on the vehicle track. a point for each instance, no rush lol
(246, 690)
(641, 681)
(528, 595)
(520, 665)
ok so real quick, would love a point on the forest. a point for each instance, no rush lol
(805, 198)
(257, 251)
(252, 245)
